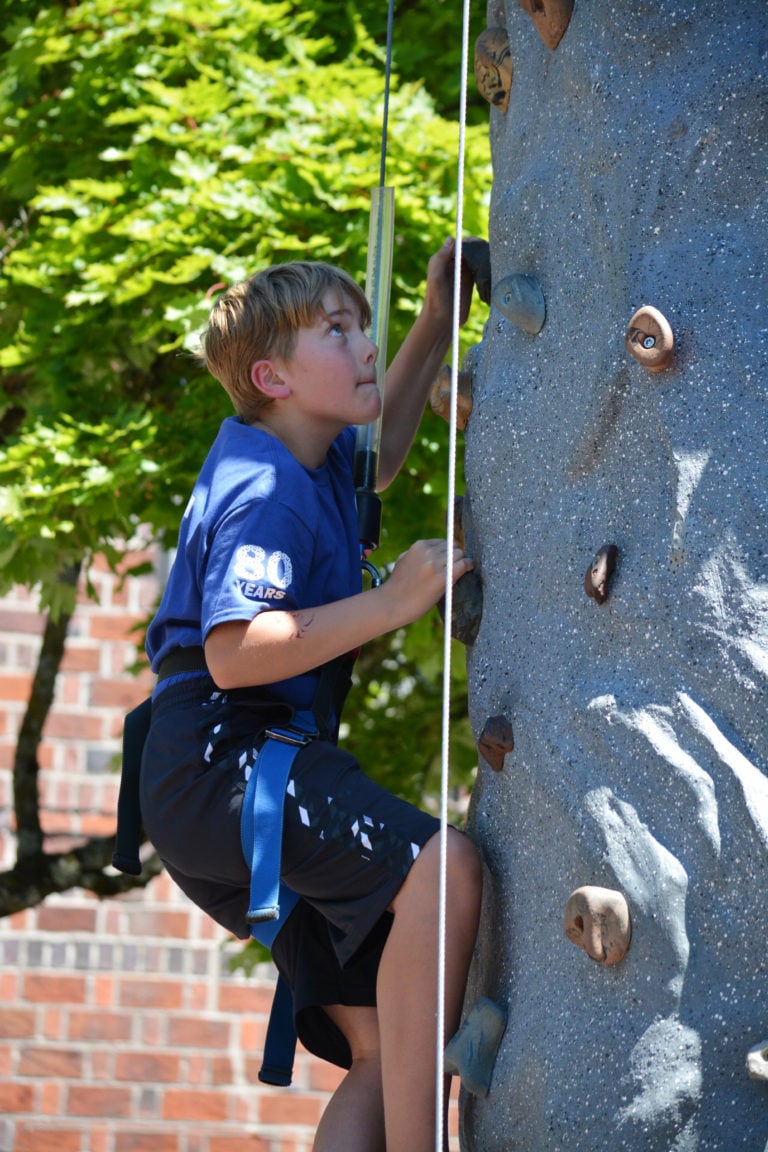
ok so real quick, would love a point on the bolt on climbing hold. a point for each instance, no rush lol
(597, 920)
(600, 571)
(496, 740)
(649, 339)
(550, 18)
(467, 608)
(493, 67)
(472, 1052)
(519, 297)
(757, 1061)
(440, 396)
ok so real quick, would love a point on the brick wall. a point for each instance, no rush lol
(123, 1027)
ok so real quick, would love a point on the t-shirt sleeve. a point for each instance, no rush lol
(258, 559)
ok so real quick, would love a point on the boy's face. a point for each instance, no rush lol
(331, 373)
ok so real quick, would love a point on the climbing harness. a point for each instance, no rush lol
(271, 901)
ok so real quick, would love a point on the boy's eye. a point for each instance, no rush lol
(337, 328)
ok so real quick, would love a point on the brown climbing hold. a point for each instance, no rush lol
(467, 599)
(493, 67)
(458, 522)
(599, 573)
(440, 396)
(597, 920)
(476, 255)
(649, 339)
(550, 17)
(496, 740)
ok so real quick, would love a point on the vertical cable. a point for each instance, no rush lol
(445, 753)
(387, 77)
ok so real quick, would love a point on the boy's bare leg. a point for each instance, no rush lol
(353, 1120)
(407, 986)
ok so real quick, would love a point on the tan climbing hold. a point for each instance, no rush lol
(550, 17)
(493, 67)
(649, 339)
(757, 1061)
(597, 920)
(496, 740)
(440, 396)
(599, 573)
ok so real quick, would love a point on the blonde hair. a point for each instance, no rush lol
(261, 317)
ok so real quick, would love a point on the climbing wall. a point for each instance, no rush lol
(617, 478)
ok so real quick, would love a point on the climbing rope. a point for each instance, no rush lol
(446, 706)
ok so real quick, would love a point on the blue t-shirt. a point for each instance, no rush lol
(260, 532)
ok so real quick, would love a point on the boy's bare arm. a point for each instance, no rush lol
(413, 370)
(277, 645)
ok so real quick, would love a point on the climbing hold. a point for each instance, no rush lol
(757, 1061)
(599, 573)
(550, 17)
(467, 608)
(519, 297)
(476, 254)
(458, 522)
(493, 67)
(496, 740)
(472, 1052)
(440, 396)
(649, 339)
(597, 920)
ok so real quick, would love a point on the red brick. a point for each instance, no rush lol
(156, 1140)
(324, 1077)
(238, 1143)
(180, 1104)
(102, 1026)
(86, 1100)
(81, 659)
(51, 1098)
(120, 694)
(52, 988)
(31, 623)
(15, 686)
(242, 998)
(16, 1098)
(73, 726)
(289, 1107)
(55, 918)
(97, 826)
(147, 1067)
(16, 1022)
(144, 922)
(150, 993)
(32, 1137)
(112, 626)
(51, 1062)
(192, 1032)
(222, 1071)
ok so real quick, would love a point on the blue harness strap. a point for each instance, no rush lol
(271, 902)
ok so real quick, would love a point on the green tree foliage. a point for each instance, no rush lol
(152, 153)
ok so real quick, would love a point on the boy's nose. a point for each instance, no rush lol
(372, 352)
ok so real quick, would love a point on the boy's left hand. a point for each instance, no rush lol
(438, 299)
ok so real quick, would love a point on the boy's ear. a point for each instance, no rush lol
(265, 377)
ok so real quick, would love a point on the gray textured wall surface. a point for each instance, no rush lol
(630, 168)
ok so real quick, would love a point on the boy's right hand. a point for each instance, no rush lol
(417, 580)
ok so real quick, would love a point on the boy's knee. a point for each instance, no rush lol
(463, 861)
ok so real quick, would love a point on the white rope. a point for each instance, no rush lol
(446, 713)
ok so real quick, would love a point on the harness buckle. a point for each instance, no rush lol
(296, 737)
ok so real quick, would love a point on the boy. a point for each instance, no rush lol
(266, 586)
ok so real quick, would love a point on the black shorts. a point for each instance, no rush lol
(348, 844)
